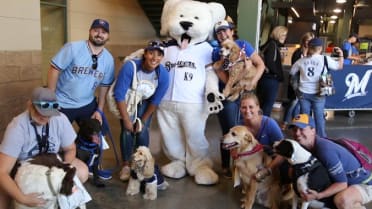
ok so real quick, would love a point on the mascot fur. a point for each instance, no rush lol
(193, 92)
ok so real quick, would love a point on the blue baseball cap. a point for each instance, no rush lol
(316, 42)
(222, 25)
(302, 121)
(155, 45)
(101, 23)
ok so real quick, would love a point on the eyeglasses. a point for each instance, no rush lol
(46, 104)
(95, 63)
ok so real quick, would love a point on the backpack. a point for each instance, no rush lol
(361, 152)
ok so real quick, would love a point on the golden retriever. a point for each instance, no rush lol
(145, 175)
(248, 158)
(240, 69)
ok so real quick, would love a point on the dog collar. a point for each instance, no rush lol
(255, 149)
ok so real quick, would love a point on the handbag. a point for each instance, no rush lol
(131, 98)
(326, 85)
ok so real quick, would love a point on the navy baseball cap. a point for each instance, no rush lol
(302, 121)
(316, 42)
(101, 23)
(155, 45)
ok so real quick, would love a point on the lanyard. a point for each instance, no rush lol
(42, 140)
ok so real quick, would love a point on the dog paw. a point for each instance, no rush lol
(163, 186)
(214, 102)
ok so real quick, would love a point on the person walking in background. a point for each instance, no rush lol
(229, 116)
(293, 107)
(78, 69)
(39, 129)
(268, 85)
(347, 48)
(152, 82)
(307, 87)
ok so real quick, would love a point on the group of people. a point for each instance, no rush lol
(81, 67)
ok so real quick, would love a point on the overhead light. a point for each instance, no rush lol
(333, 17)
(332, 21)
(337, 10)
(290, 20)
(295, 12)
(340, 1)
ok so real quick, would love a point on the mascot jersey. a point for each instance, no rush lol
(187, 72)
(77, 81)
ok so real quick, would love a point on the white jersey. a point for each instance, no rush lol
(310, 69)
(187, 72)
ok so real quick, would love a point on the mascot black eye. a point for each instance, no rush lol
(196, 18)
(181, 15)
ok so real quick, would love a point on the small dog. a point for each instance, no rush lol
(145, 175)
(45, 174)
(240, 69)
(308, 172)
(249, 158)
(88, 144)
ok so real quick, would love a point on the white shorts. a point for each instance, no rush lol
(365, 191)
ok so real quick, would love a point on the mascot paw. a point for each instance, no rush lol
(205, 176)
(175, 169)
(214, 102)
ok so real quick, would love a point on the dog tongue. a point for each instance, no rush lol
(184, 43)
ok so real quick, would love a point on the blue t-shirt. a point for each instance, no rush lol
(125, 79)
(342, 166)
(78, 81)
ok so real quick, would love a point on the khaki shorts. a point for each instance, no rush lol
(365, 191)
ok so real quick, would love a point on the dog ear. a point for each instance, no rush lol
(149, 167)
(284, 148)
(68, 182)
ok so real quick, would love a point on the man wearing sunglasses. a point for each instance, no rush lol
(78, 69)
(39, 129)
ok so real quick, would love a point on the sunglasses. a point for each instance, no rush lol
(46, 104)
(95, 63)
(156, 44)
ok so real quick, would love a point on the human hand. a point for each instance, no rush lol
(310, 195)
(33, 200)
(138, 125)
(97, 115)
(262, 173)
(128, 125)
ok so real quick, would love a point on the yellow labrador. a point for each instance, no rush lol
(248, 158)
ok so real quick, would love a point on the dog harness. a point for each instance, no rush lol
(227, 65)
(93, 148)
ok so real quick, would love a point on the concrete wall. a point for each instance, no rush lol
(20, 50)
(20, 43)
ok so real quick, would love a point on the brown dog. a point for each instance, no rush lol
(240, 69)
(248, 158)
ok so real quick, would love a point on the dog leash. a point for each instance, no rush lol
(106, 130)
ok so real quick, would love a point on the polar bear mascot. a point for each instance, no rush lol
(193, 91)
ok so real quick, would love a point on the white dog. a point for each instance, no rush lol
(145, 175)
(55, 180)
(308, 172)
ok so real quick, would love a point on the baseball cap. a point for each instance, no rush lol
(316, 42)
(101, 23)
(45, 101)
(221, 25)
(301, 121)
(155, 45)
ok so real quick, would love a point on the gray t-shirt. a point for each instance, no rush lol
(20, 139)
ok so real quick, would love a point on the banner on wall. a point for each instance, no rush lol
(353, 88)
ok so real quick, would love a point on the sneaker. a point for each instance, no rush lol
(125, 173)
(102, 174)
(226, 172)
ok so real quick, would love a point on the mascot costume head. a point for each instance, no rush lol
(193, 92)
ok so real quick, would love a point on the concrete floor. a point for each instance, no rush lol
(184, 193)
